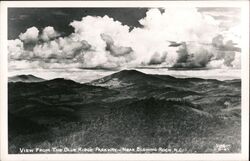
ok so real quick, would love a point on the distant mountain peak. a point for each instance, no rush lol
(125, 78)
(25, 78)
(61, 80)
(127, 72)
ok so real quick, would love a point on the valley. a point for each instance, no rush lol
(126, 109)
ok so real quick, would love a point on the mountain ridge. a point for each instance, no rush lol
(140, 110)
(25, 78)
(126, 78)
(122, 74)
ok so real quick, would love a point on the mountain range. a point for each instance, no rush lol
(25, 78)
(125, 109)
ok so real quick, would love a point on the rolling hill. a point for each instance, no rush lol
(125, 109)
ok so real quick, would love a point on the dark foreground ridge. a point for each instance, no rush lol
(126, 109)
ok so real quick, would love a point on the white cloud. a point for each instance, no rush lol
(237, 61)
(15, 49)
(186, 24)
(30, 35)
(102, 42)
(49, 33)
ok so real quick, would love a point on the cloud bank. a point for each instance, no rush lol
(182, 38)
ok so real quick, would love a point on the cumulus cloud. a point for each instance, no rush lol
(185, 25)
(30, 35)
(225, 52)
(183, 39)
(49, 33)
(193, 55)
(15, 49)
(113, 49)
(157, 59)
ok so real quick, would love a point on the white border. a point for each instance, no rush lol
(243, 156)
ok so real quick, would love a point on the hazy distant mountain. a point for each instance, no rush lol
(127, 78)
(161, 110)
(25, 78)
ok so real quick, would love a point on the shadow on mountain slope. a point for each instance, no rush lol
(125, 109)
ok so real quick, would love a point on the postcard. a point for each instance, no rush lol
(125, 80)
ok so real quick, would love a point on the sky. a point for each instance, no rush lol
(52, 39)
